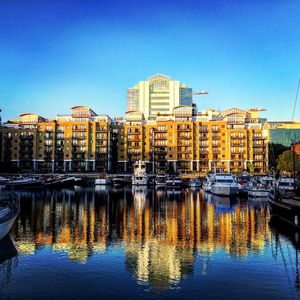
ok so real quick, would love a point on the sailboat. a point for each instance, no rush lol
(285, 203)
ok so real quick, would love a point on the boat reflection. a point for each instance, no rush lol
(161, 231)
(287, 245)
(8, 259)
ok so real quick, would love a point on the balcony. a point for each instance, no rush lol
(215, 129)
(160, 137)
(237, 137)
(134, 133)
(26, 137)
(78, 137)
(216, 137)
(203, 137)
(101, 129)
(184, 151)
(237, 144)
(75, 151)
(80, 129)
(184, 129)
(184, 137)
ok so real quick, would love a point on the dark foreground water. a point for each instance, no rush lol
(107, 244)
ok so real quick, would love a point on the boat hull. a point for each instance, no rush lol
(224, 190)
(257, 193)
(285, 211)
(6, 226)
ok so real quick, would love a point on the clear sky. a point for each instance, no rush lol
(59, 53)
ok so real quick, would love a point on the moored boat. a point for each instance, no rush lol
(139, 177)
(194, 182)
(3, 180)
(259, 187)
(173, 182)
(22, 183)
(207, 183)
(9, 210)
(160, 181)
(223, 185)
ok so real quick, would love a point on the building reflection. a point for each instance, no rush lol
(161, 232)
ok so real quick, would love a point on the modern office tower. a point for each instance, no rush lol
(284, 132)
(159, 94)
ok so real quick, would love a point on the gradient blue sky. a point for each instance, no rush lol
(56, 54)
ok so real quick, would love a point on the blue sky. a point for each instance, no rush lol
(56, 54)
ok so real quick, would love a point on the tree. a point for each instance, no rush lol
(285, 162)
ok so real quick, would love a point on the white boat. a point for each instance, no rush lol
(224, 185)
(3, 180)
(207, 183)
(9, 209)
(194, 182)
(160, 180)
(28, 182)
(259, 187)
(173, 182)
(285, 184)
(139, 177)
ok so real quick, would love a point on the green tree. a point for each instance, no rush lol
(285, 162)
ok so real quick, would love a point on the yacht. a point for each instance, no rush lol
(285, 184)
(173, 182)
(102, 180)
(9, 210)
(207, 183)
(260, 186)
(160, 181)
(194, 182)
(3, 180)
(139, 177)
(224, 185)
(118, 181)
(22, 182)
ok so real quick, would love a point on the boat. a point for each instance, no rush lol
(285, 184)
(194, 182)
(207, 183)
(173, 182)
(25, 182)
(9, 210)
(259, 187)
(160, 181)
(102, 180)
(242, 180)
(3, 180)
(285, 206)
(58, 181)
(223, 185)
(139, 177)
(118, 181)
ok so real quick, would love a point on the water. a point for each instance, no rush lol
(108, 244)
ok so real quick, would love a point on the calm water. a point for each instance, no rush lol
(107, 243)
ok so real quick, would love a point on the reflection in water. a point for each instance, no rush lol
(8, 259)
(287, 251)
(160, 231)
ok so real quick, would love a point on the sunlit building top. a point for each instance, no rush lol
(159, 94)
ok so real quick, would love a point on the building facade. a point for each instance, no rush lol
(159, 94)
(284, 132)
(76, 142)
(229, 141)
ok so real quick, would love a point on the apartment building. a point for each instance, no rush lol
(184, 141)
(76, 142)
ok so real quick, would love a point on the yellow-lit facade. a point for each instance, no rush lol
(185, 141)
